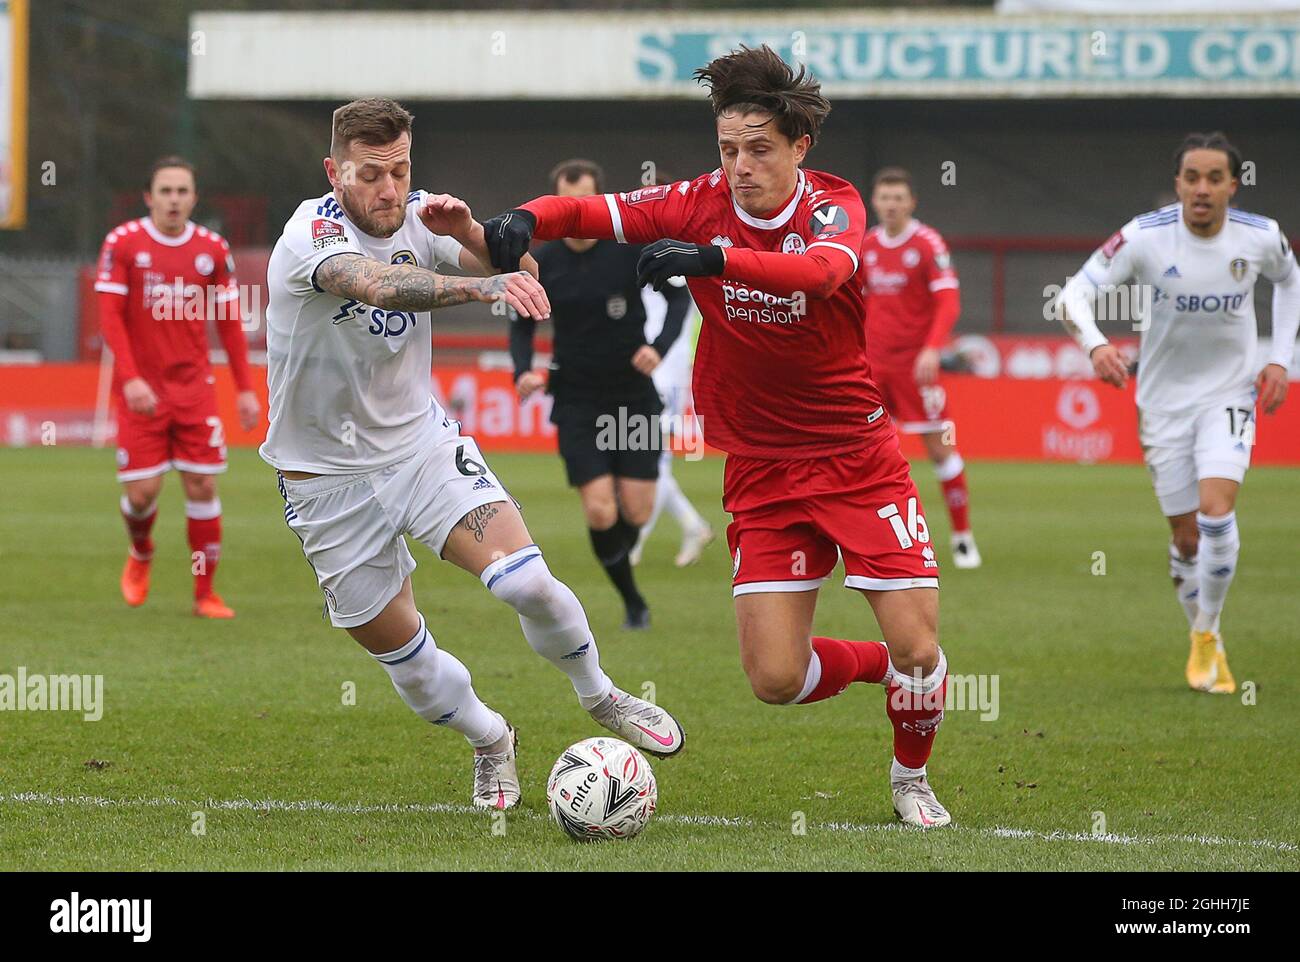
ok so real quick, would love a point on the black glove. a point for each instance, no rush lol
(508, 236)
(672, 258)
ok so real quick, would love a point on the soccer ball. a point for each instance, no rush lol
(601, 788)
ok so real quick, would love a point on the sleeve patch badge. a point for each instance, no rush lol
(828, 222)
(326, 233)
(642, 194)
(1112, 246)
(325, 228)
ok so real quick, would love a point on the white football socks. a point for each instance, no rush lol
(552, 619)
(662, 494)
(899, 772)
(680, 507)
(1216, 563)
(1187, 583)
(669, 495)
(437, 687)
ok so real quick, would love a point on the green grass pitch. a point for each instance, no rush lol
(1099, 758)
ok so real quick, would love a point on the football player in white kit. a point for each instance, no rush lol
(366, 455)
(1196, 263)
(673, 382)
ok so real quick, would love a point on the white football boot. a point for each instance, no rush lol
(915, 804)
(496, 780)
(693, 545)
(964, 552)
(640, 723)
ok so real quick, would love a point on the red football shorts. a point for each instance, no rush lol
(792, 520)
(189, 441)
(915, 409)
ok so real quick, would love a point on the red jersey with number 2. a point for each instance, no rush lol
(903, 275)
(172, 287)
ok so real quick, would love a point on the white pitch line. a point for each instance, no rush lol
(710, 821)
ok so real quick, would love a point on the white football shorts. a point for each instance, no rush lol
(1180, 451)
(352, 525)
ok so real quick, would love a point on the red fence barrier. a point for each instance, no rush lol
(1002, 418)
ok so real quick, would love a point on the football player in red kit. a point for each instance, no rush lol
(161, 278)
(913, 300)
(772, 255)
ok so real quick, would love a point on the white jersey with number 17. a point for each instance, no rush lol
(1198, 336)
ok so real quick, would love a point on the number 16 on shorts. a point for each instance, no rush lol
(915, 531)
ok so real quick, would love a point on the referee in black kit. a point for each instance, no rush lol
(606, 408)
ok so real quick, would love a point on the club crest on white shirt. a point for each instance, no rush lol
(1238, 268)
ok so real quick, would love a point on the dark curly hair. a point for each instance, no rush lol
(752, 80)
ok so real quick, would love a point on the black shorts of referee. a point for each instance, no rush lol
(614, 434)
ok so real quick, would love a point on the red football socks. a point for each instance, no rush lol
(914, 706)
(915, 717)
(138, 528)
(952, 478)
(844, 662)
(203, 524)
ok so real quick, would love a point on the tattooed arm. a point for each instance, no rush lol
(405, 287)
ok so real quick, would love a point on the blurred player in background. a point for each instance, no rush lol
(366, 455)
(913, 301)
(771, 253)
(1197, 261)
(673, 382)
(161, 279)
(600, 378)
